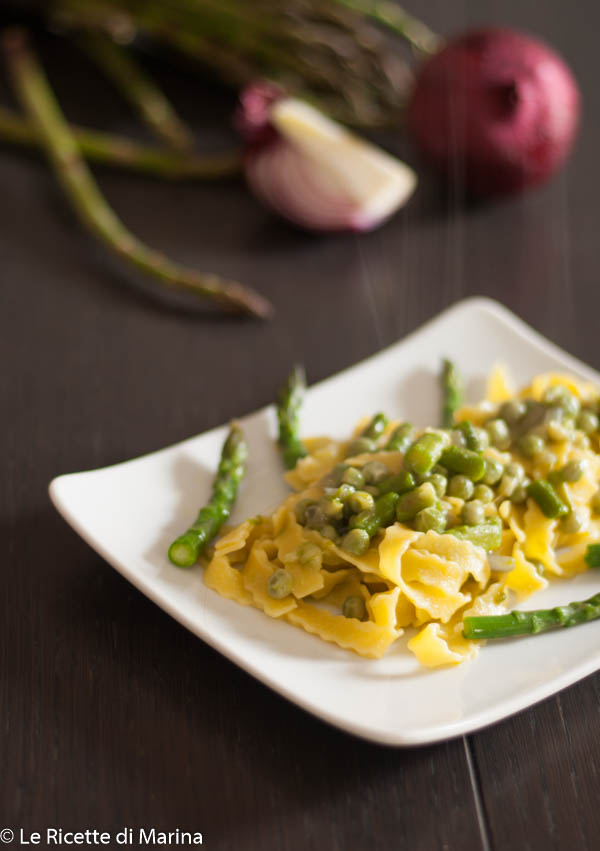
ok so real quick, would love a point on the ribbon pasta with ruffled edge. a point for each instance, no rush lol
(424, 580)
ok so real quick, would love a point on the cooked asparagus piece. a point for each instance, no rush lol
(452, 390)
(88, 202)
(288, 411)
(185, 549)
(530, 623)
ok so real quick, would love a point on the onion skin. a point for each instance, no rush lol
(311, 171)
(497, 107)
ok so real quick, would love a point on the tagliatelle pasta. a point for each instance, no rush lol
(376, 544)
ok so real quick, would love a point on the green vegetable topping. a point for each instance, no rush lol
(573, 471)
(452, 393)
(531, 445)
(185, 549)
(587, 421)
(290, 400)
(279, 584)
(374, 472)
(464, 461)
(476, 439)
(487, 535)
(360, 446)
(461, 487)
(353, 476)
(356, 542)
(425, 452)
(430, 518)
(399, 483)
(473, 513)
(532, 623)
(592, 555)
(401, 438)
(498, 433)
(493, 472)
(360, 501)
(483, 493)
(512, 411)
(440, 483)
(354, 607)
(546, 497)
(414, 501)
(376, 427)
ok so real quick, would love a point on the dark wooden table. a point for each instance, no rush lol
(112, 714)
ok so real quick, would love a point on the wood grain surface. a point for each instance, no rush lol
(111, 714)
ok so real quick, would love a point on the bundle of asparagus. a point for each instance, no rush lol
(343, 54)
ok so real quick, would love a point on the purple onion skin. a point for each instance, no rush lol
(497, 106)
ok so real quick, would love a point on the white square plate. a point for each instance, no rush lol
(130, 512)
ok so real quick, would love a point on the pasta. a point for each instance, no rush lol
(417, 574)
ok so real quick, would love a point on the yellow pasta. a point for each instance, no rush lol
(359, 582)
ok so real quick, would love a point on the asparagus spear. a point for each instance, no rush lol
(185, 549)
(87, 200)
(452, 393)
(154, 108)
(530, 623)
(109, 149)
(288, 408)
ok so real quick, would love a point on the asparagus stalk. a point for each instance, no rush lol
(376, 427)
(88, 202)
(288, 409)
(452, 391)
(531, 623)
(152, 105)
(401, 438)
(109, 149)
(399, 21)
(185, 549)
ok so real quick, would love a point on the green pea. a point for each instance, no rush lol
(440, 483)
(499, 433)
(461, 487)
(315, 517)
(515, 469)
(473, 513)
(334, 477)
(512, 411)
(356, 542)
(344, 492)
(332, 507)
(328, 532)
(308, 552)
(557, 431)
(493, 471)
(353, 476)
(414, 501)
(300, 510)
(360, 446)
(563, 398)
(571, 523)
(573, 470)
(354, 607)
(430, 519)
(374, 472)
(531, 445)
(483, 493)
(587, 421)
(360, 501)
(279, 584)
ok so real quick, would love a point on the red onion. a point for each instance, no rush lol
(499, 105)
(311, 170)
